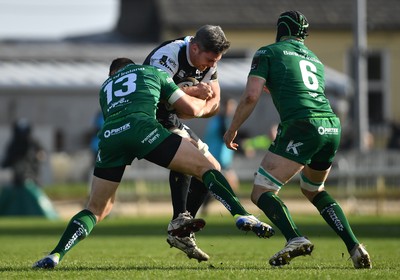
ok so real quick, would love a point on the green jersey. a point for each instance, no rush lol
(129, 100)
(136, 89)
(295, 78)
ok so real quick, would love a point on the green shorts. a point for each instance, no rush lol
(308, 140)
(130, 137)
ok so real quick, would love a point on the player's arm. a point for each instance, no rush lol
(187, 106)
(248, 102)
(211, 107)
(208, 91)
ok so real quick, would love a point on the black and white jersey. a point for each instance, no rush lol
(173, 57)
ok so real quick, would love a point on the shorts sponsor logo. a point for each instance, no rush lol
(118, 130)
(152, 136)
(292, 147)
(328, 130)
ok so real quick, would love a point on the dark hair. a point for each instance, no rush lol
(119, 63)
(211, 38)
(291, 24)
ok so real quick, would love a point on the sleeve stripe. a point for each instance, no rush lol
(175, 96)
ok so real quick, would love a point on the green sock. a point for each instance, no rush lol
(333, 214)
(279, 215)
(222, 191)
(78, 228)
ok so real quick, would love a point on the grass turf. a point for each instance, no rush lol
(133, 248)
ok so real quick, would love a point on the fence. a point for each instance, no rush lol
(372, 173)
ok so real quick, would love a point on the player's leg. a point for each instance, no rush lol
(182, 223)
(179, 182)
(104, 185)
(273, 173)
(189, 160)
(198, 192)
(179, 187)
(312, 180)
(181, 228)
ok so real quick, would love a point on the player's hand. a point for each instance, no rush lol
(229, 136)
(203, 91)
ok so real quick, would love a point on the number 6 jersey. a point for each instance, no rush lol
(295, 78)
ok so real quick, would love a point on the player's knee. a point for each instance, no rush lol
(265, 181)
(214, 162)
(309, 186)
(256, 193)
(179, 178)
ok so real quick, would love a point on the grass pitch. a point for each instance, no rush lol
(133, 248)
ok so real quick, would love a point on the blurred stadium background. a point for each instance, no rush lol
(55, 55)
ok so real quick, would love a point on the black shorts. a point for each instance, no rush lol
(163, 154)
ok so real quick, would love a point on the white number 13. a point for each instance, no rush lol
(127, 83)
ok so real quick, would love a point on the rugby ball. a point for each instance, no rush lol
(188, 82)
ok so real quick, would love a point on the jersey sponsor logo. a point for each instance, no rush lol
(163, 60)
(181, 74)
(316, 96)
(169, 80)
(118, 130)
(172, 62)
(151, 137)
(328, 130)
(304, 56)
(255, 62)
(292, 147)
(191, 73)
(304, 51)
(166, 62)
(120, 102)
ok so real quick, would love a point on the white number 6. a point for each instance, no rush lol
(308, 71)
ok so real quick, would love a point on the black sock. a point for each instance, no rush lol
(179, 185)
(196, 196)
